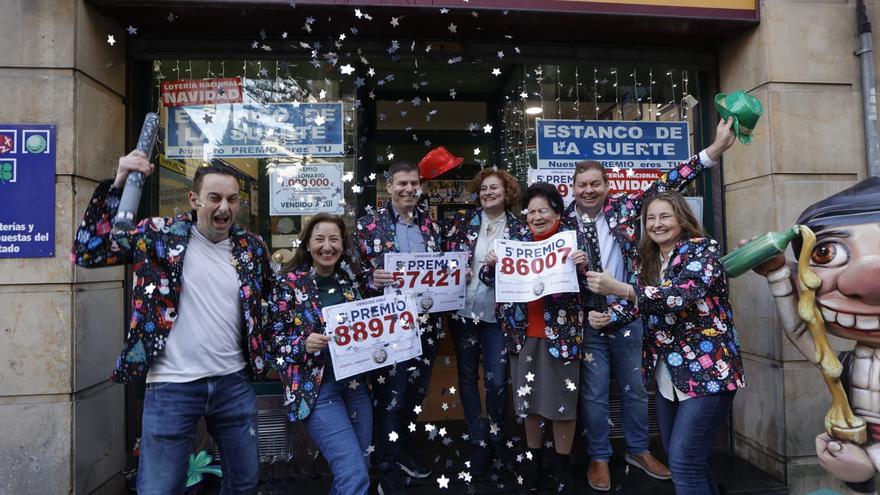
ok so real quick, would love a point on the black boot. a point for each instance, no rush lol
(562, 474)
(531, 471)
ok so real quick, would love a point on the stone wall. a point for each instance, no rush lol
(62, 427)
(809, 144)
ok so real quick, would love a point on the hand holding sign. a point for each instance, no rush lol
(526, 271)
(438, 280)
(382, 278)
(316, 342)
(371, 333)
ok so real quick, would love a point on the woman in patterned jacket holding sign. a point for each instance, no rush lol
(474, 328)
(690, 347)
(337, 414)
(544, 339)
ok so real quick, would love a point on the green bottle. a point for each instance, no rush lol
(758, 251)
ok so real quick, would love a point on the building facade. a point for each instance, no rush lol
(402, 77)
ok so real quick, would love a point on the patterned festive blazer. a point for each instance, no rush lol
(375, 235)
(623, 210)
(563, 312)
(461, 231)
(156, 248)
(294, 314)
(689, 321)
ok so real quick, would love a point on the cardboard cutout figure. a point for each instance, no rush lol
(836, 287)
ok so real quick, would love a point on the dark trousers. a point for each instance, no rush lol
(396, 392)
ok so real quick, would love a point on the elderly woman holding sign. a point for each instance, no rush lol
(543, 338)
(338, 415)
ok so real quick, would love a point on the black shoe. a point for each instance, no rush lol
(409, 466)
(531, 471)
(392, 484)
(562, 474)
(502, 455)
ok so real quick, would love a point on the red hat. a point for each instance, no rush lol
(438, 161)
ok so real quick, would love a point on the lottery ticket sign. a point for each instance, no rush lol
(306, 189)
(526, 271)
(372, 333)
(437, 280)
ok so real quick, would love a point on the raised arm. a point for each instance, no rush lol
(95, 243)
(684, 173)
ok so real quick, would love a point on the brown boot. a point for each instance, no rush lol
(650, 465)
(599, 476)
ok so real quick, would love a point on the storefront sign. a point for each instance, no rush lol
(561, 178)
(372, 333)
(305, 189)
(27, 191)
(437, 280)
(527, 271)
(201, 92)
(624, 144)
(628, 180)
(255, 130)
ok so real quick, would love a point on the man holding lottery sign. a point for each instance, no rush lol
(402, 225)
(437, 280)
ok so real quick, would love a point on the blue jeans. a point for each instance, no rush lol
(171, 413)
(341, 425)
(688, 429)
(623, 352)
(397, 390)
(470, 340)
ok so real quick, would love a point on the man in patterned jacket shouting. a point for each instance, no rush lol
(195, 333)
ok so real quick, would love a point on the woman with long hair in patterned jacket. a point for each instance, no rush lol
(338, 414)
(690, 345)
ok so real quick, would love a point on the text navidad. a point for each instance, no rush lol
(527, 271)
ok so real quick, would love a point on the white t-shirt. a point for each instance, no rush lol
(206, 338)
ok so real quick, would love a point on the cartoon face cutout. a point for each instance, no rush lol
(847, 259)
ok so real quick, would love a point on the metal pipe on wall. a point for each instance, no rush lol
(865, 53)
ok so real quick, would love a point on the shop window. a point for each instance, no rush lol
(284, 129)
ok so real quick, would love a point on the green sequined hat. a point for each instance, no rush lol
(745, 109)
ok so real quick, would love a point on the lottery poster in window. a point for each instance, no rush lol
(372, 333)
(526, 271)
(437, 280)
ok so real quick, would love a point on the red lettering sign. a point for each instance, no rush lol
(201, 92)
